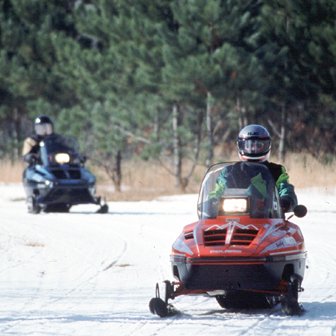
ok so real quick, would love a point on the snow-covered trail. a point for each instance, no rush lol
(91, 274)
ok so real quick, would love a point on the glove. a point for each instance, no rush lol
(30, 158)
(285, 204)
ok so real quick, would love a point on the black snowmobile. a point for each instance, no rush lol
(58, 179)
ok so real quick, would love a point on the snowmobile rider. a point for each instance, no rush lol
(254, 145)
(43, 126)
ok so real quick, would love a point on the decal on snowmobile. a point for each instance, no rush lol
(181, 246)
(231, 223)
(280, 244)
(225, 251)
(273, 230)
(231, 228)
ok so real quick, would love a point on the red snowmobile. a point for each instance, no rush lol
(242, 251)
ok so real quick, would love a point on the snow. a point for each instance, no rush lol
(91, 274)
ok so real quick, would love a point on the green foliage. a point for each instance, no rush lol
(109, 72)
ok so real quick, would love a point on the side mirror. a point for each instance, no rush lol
(300, 211)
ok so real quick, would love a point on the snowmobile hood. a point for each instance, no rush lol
(238, 237)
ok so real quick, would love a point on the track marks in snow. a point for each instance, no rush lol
(320, 277)
(68, 267)
(116, 260)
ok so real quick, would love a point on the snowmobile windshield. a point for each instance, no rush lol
(56, 149)
(238, 188)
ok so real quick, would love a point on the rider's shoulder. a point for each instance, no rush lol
(31, 140)
(274, 167)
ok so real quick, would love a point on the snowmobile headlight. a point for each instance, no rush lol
(235, 204)
(49, 184)
(62, 158)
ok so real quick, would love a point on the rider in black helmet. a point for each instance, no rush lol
(254, 144)
(43, 126)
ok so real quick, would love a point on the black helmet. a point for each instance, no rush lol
(254, 143)
(43, 125)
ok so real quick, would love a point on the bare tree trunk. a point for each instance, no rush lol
(209, 126)
(117, 171)
(14, 124)
(282, 135)
(197, 148)
(157, 126)
(113, 169)
(242, 119)
(177, 147)
(181, 180)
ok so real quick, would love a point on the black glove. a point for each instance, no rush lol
(30, 158)
(285, 204)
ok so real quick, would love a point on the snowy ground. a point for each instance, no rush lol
(90, 274)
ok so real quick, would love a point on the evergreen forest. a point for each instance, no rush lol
(169, 80)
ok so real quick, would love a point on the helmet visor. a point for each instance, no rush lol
(254, 146)
(43, 129)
